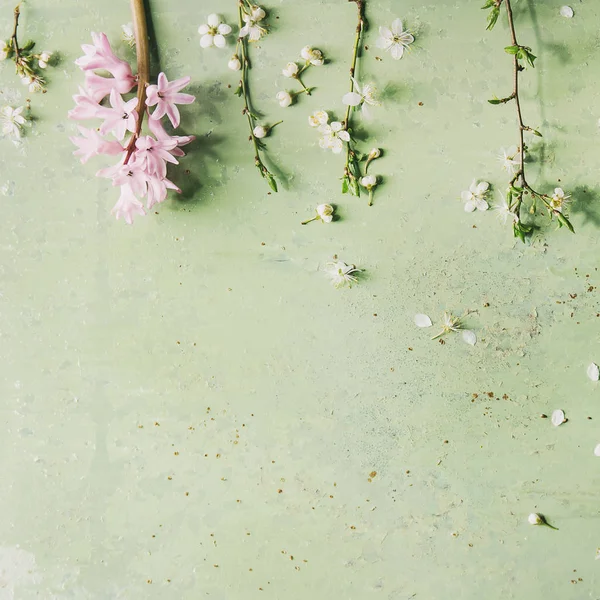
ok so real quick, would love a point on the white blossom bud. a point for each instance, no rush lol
(284, 98)
(368, 181)
(260, 131)
(325, 212)
(291, 70)
(375, 153)
(535, 519)
(234, 63)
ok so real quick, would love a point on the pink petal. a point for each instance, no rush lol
(182, 98)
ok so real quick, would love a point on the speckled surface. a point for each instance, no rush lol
(190, 409)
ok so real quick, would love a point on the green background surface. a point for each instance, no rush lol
(210, 329)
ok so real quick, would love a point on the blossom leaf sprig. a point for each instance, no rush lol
(142, 167)
(514, 162)
(28, 64)
(251, 30)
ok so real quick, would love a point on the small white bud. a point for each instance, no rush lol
(305, 52)
(291, 70)
(260, 131)
(535, 519)
(284, 98)
(325, 212)
(368, 181)
(234, 63)
(567, 12)
(375, 153)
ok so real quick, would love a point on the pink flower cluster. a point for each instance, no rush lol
(142, 167)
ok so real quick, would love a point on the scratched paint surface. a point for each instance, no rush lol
(189, 408)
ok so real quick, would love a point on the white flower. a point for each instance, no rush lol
(44, 59)
(12, 120)
(504, 211)
(333, 136)
(449, 323)
(535, 519)
(284, 98)
(510, 159)
(36, 84)
(474, 197)
(559, 200)
(252, 28)
(593, 372)
(368, 181)
(394, 39)
(234, 63)
(341, 273)
(325, 212)
(566, 11)
(422, 320)
(558, 417)
(375, 153)
(260, 131)
(318, 118)
(213, 32)
(364, 97)
(128, 34)
(312, 56)
(291, 70)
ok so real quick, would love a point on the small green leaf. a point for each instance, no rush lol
(238, 91)
(516, 191)
(271, 181)
(562, 220)
(495, 100)
(512, 50)
(492, 18)
(28, 46)
(488, 4)
(344, 185)
(530, 57)
(536, 132)
(354, 189)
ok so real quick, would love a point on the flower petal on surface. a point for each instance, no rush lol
(482, 187)
(224, 29)
(344, 135)
(558, 418)
(597, 450)
(219, 41)
(352, 99)
(470, 206)
(422, 320)
(593, 372)
(481, 204)
(469, 337)
(213, 20)
(203, 29)
(397, 51)
(397, 27)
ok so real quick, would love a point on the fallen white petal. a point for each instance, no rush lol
(469, 337)
(558, 418)
(566, 11)
(597, 450)
(422, 320)
(593, 372)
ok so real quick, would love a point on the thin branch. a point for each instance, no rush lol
(13, 37)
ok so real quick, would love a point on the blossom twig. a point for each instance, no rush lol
(352, 174)
(242, 51)
(518, 185)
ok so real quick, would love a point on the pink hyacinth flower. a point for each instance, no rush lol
(99, 87)
(120, 118)
(166, 95)
(99, 56)
(154, 155)
(157, 190)
(85, 107)
(157, 128)
(127, 205)
(92, 144)
(131, 174)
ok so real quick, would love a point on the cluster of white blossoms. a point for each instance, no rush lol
(333, 135)
(12, 121)
(311, 57)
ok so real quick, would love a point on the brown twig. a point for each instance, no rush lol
(140, 26)
(13, 37)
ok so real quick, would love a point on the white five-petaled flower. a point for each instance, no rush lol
(342, 274)
(290, 70)
(504, 211)
(12, 120)
(324, 213)
(312, 56)
(332, 137)
(284, 98)
(510, 159)
(320, 117)
(252, 27)
(394, 39)
(363, 96)
(128, 34)
(234, 63)
(213, 32)
(474, 197)
(44, 59)
(559, 200)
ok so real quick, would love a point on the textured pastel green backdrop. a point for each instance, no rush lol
(190, 409)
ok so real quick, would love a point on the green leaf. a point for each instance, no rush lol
(495, 100)
(516, 191)
(492, 18)
(28, 46)
(271, 181)
(562, 220)
(238, 91)
(488, 4)
(354, 189)
(536, 132)
(344, 185)
(512, 50)
(530, 57)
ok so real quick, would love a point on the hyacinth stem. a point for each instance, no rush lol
(140, 28)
